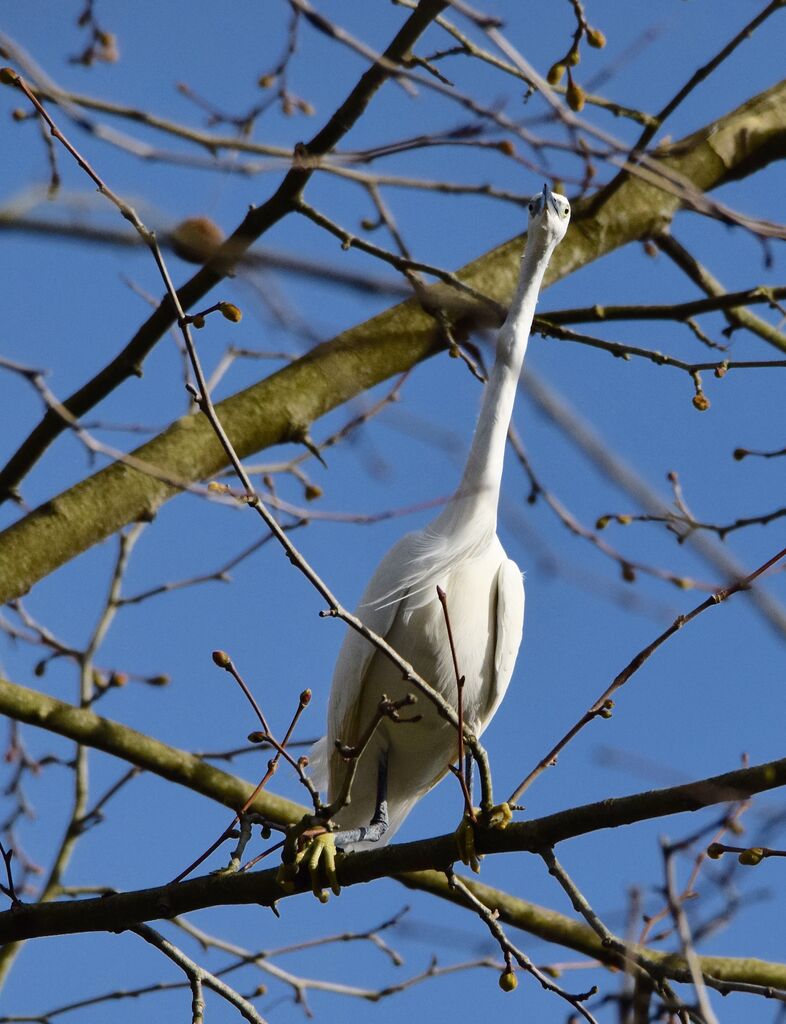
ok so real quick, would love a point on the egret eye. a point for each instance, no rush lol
(531, 207)
(566, 211)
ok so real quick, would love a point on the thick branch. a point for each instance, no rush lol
(281, 407)
(126, 909)
(91, 730)
(256, 222)
(565, 931)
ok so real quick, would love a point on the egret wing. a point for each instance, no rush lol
(510, 626)
(377, 610)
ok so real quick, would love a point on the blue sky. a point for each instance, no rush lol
(711, 694)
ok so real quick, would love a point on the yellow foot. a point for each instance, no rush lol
(315, 852)
(498, 817)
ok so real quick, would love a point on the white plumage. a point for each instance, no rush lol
(461, 553)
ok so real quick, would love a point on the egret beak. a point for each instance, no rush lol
(549, 195)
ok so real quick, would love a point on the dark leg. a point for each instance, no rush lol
(378, 825)
(468, 774)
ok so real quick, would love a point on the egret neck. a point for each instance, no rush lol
(477, 497)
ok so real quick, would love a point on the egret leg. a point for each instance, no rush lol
(468, 773)
(378, 825)
(497, 817)
(318, 854)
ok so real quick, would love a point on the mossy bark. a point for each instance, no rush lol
(280, 407)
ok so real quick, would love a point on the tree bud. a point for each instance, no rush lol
(229, 311)
(195, 239)
(575, 96)
(595, 37)
(222, 659)
(508, 981)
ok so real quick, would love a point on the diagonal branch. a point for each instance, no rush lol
(282, 407)
(256, 222)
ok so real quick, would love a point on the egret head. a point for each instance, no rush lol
(549, 216)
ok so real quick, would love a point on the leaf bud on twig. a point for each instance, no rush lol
(230, 311)
(508, 981)
(595, 37)
(222, 659)
(575, 96)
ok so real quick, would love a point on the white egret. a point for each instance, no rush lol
(460, 553)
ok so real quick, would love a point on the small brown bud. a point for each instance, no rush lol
(195, 239)
(19, 114)
(257, 737)
(118, 679)
(628, 573)
(722, 368)
(306, 108)
(715, 851)
(624, 520)
(160, 680)
(106, 38)
(222, 659)
(575, 96)
(683, 583)
(229, 311)
(556, 73)
(573, 58)
(305, 698)
(739, 454)
(602, 522)
(751, 857)
(701, 402)
(595, 37)
(40, 668)
(506, 147)
(265, 81)
(198, 321)
(312, 492)
(8, 76)
(508, 981)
